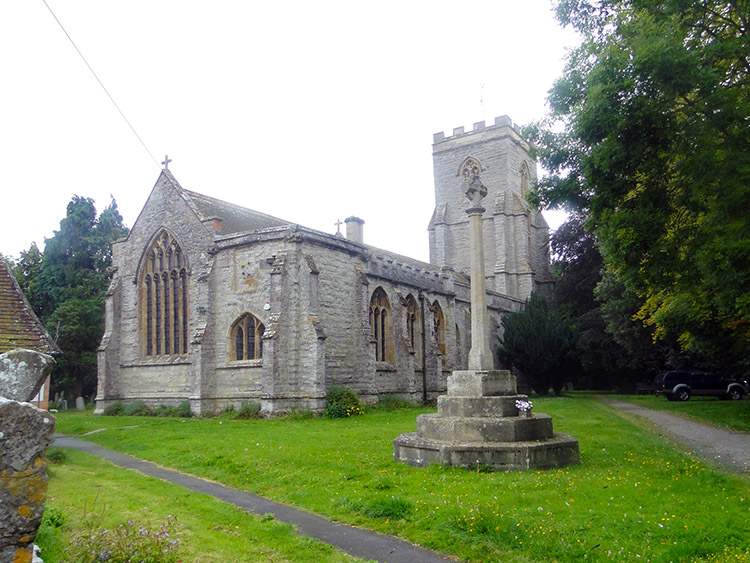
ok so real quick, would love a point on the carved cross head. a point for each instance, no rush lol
(475, 190)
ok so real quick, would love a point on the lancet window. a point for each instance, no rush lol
(247, 338)
(438, 321)
(380, 323)
(525, 178)
(459, 350)
(164, 298)
(413, 325)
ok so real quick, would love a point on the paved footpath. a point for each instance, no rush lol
(729, 448)
(358, 542)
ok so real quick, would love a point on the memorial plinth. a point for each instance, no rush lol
(478, 424)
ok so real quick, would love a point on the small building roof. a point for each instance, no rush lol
(19, 326)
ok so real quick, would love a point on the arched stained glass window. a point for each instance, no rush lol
(247, 338)
(380, 322)
(163, 294)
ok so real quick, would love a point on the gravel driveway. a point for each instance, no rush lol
(729, 448)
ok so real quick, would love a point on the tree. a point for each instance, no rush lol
(648, 134)
(71, 282)
(27, 270)
(577, 266)
(540, 342)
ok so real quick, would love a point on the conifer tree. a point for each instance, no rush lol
(69, 287)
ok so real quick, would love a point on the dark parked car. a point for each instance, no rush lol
(680, 385)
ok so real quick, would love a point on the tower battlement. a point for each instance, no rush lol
(460, 134)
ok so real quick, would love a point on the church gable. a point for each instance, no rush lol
(165, 208)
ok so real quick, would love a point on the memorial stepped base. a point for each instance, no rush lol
(485, 428)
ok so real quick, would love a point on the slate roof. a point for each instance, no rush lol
(19, 326)
(234, 218)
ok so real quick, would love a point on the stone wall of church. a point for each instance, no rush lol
(240, 284)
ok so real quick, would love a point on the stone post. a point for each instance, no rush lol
(25, 431)
(480, 355)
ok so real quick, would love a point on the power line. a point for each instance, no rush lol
(101, 84)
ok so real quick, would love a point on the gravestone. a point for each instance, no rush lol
(25, 432)
(80, 404)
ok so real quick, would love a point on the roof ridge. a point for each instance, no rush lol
(222, 202)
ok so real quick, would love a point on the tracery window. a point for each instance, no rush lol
(164, 297)
(247, 338)
(380, 323)
(470, 168)
(413, 325)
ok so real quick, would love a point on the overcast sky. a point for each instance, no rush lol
(308, 111)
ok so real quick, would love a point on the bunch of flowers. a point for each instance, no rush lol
(524, 405)
(126, 543)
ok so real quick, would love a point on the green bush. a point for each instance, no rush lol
(56, 455)
(181, 410)
(53, 517)
(136, 408)
(342, 402)
(301, 414)
(115, 409)
(49, 536)
(392, 402)
(248, 411)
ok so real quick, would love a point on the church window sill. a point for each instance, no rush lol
(243, 364)
(161, 361)
(385, 366)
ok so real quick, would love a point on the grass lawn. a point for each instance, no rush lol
(633, 497)
(92, 494)
(732, 414)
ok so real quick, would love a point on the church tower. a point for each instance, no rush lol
(516, 237)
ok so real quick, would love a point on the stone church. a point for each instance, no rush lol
(219, 305)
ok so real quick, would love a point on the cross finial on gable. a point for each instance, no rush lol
(338, 224)
(166, 162)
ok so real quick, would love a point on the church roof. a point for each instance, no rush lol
(19, 326)
(234, 218)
